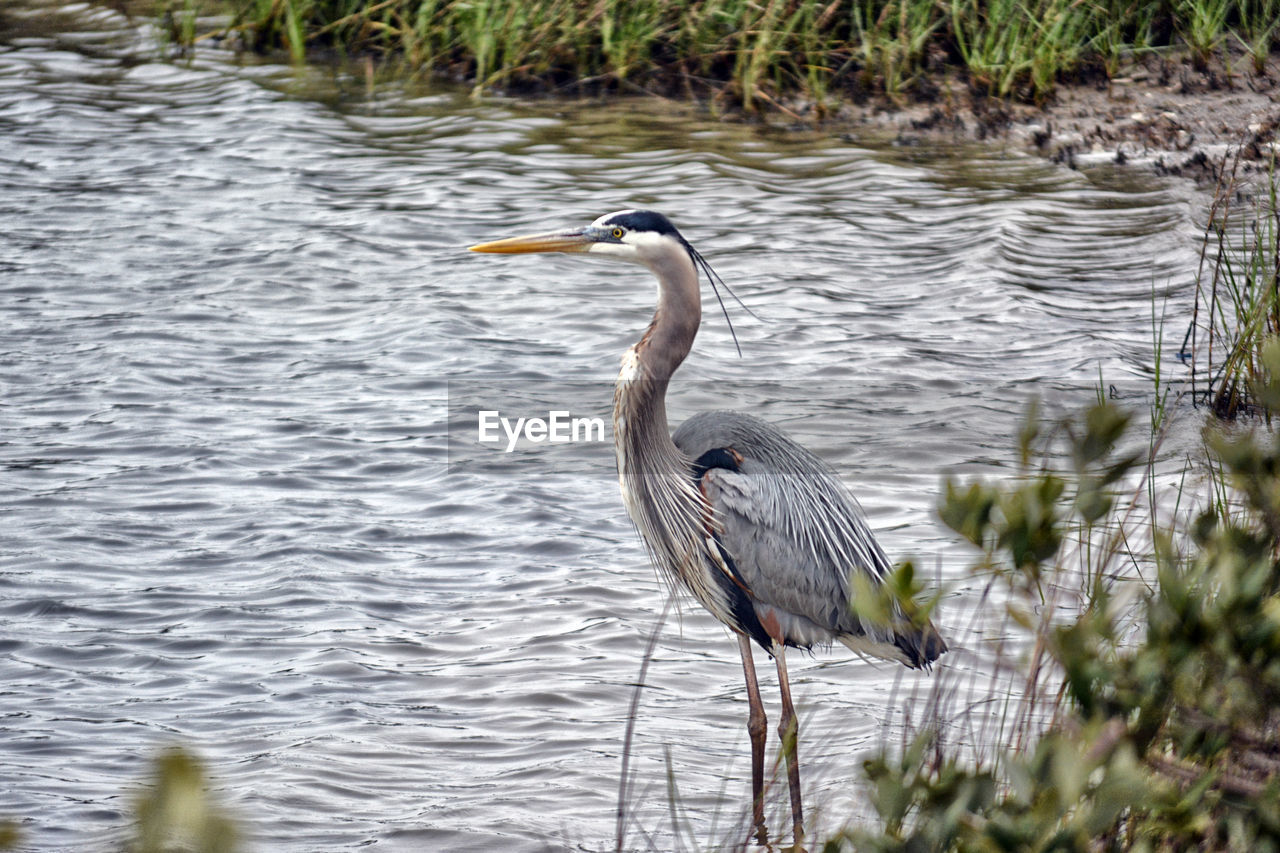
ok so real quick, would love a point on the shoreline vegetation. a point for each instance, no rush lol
(1235, 312)
(1149, 718)
(1177, 82)
(753, 51)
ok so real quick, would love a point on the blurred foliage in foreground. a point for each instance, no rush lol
(1165, 731)
(175, 814)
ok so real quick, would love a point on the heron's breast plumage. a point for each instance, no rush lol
(672, 516)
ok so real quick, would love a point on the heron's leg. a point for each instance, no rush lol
(789, 731)
(757, 727)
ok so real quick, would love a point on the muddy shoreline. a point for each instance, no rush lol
(1162, 115)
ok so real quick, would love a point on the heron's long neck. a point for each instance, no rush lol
(639, 402)
(654, 474)
(656, 478)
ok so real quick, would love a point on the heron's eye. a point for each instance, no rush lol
(617, 233)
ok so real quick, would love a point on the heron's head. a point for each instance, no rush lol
(640, 236)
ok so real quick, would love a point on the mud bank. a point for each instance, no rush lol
(1163, 115)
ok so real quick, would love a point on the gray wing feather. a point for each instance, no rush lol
(793, 529)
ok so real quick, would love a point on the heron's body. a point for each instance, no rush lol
(757, 528)
(795, 574)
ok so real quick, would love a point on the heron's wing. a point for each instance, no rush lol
(794, 532)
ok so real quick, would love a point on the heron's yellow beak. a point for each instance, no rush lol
(579, 240)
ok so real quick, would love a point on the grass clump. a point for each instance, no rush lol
(889, 43)
(1159, 701)
(1259, 21)
(1237, 298)
(1014, 47)
(764, 51)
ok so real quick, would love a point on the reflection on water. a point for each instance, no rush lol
(236, 316)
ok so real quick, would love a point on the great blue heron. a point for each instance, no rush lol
(757, 528)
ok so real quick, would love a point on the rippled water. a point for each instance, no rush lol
(237, 322)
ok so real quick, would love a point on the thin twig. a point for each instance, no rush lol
(624, 783)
